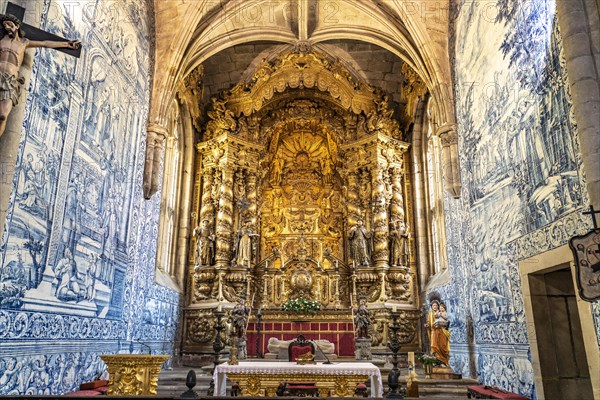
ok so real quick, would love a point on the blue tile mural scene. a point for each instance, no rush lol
(71, 248)
(523, 183)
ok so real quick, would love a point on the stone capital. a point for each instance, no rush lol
(157, 130)
(447, 134)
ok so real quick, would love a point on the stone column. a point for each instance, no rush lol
(225, 218)
(380, 219)
(186, 199)
(449, 139)
(419, 164)
(580, 28)
(154, 151)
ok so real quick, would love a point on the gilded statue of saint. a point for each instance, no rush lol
(399, 244)
(360, 243)
(244, 247)
(278, 165)
(205, 243)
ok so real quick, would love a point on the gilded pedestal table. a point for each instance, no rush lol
(133, 374)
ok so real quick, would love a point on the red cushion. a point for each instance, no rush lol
(102, 389)
(299, 350)
(93, 385)
(85, 393)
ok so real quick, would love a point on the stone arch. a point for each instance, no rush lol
(398, 31)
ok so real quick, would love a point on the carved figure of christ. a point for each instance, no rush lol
(15, 38)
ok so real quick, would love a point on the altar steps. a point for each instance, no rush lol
(443, 388)
(172, 383)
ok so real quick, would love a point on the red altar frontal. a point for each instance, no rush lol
(337, 329)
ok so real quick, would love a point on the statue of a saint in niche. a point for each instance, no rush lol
(277, 173)
(327, 171)
(360, 244)
(399, 250)
(244, 247)
(205, 243)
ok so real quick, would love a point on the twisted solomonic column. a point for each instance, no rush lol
(225, 218)
(380, 220)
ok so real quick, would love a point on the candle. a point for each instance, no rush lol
(220, 307)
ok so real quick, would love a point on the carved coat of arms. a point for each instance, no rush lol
(586, 251)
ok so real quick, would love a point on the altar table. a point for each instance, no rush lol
(332, 380)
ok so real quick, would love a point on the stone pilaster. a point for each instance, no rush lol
(579, 24)
(451, 164)
(154, 152)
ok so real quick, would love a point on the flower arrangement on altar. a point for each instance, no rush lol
(427, 359)
(301, 306)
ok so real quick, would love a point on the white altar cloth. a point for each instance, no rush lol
(278, 367)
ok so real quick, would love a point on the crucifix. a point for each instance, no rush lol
(15, 38)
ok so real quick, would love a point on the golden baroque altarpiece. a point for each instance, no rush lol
(302, 190)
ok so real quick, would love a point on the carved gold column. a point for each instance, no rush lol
(380, 219)
(352, 201)
(224, 218)
(397, 203)
(252, 196)
(206, 207)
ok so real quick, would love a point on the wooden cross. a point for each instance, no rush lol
(33, 33)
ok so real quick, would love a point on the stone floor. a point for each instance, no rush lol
(172, 382)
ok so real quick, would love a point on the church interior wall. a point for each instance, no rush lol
(77, 190)
(523, 182)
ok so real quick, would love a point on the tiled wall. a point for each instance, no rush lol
(75, 280)
(523, 185)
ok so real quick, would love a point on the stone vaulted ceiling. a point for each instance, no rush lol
(230, 37)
